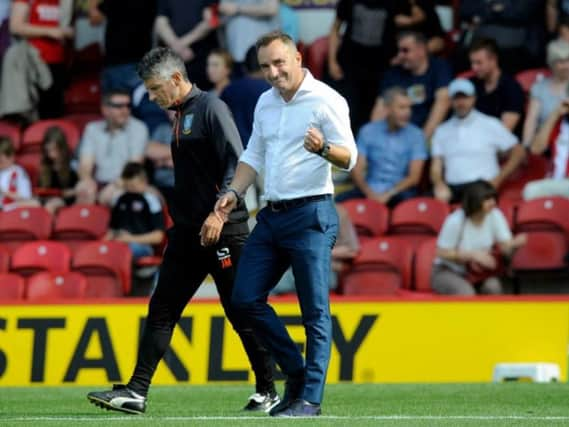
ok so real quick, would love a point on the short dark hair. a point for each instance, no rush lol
(487, 44)
(268, 38)
(133, 170)
(474, 196)
(225, 55)
(251, 63)
(161, 62)
(415, 35)
(106, 97)
(7, 146)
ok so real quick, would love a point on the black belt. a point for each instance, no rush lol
(283, 205)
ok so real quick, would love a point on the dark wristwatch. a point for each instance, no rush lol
(324, 151)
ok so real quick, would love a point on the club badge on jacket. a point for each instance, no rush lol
(187, 124)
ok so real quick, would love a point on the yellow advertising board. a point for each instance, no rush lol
(383, 341)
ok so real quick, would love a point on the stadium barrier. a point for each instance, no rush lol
(384, 341)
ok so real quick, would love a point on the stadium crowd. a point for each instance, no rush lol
(461, 131)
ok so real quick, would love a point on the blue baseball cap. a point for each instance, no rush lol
(463, 86)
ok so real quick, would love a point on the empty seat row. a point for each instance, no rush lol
(72, 225)
(106, 265)
(43, 286)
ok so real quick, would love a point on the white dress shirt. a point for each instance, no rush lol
(277, 140)
(469, 147)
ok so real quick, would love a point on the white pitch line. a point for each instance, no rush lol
(326, 417)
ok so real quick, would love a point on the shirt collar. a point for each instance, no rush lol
(193, 94)
(307, 85)
(468, 119)
(118, 129)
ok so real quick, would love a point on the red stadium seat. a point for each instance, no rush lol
(56, 285)
(316, 56)
(544, 251)
(30, 161)
(33, 257)
(87, 60)
(418, 218)
(533, 168)
(426, 254)
(84, 95)
(543, 214)
(383, 267)
(4, 259)
(77, 224)
(12, 131)
(12, 286)
(368, 216)
(527, 78)
(24, 224)
(546, 222)
(33, 135)
(508, 207)
(107, 267)
(82, 119)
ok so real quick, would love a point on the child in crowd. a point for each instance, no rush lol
(219, 68)
(55, 169)
(15, 185)
(137, 217)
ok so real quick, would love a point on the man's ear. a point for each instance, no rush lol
(177, 78)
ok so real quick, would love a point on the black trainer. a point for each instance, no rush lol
(300, 408)
(294, 387)
(262, 402)
(120, 398)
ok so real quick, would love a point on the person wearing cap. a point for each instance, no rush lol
(466, 147)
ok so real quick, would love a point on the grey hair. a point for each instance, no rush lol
(557, 50)
(393, 92)
(161, 62)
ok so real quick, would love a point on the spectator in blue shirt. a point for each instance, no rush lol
(424, 78)
(241, 95)
(392, 150)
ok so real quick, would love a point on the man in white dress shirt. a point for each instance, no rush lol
(465, 148)
(300, 127)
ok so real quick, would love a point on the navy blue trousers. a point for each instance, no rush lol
(301, 237)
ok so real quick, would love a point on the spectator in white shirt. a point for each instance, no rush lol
(301, 127)
(107, 146)
(465, 262)
(465, 148)
(15, 185)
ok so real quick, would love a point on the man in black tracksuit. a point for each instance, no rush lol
(205, 150)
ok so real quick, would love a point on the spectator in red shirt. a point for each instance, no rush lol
(45, 24)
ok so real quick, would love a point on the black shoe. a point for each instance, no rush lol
(294, 387)
(262, 402)
(300, 408)
(120, 398)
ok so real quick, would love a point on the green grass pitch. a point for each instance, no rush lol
(510, 404)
